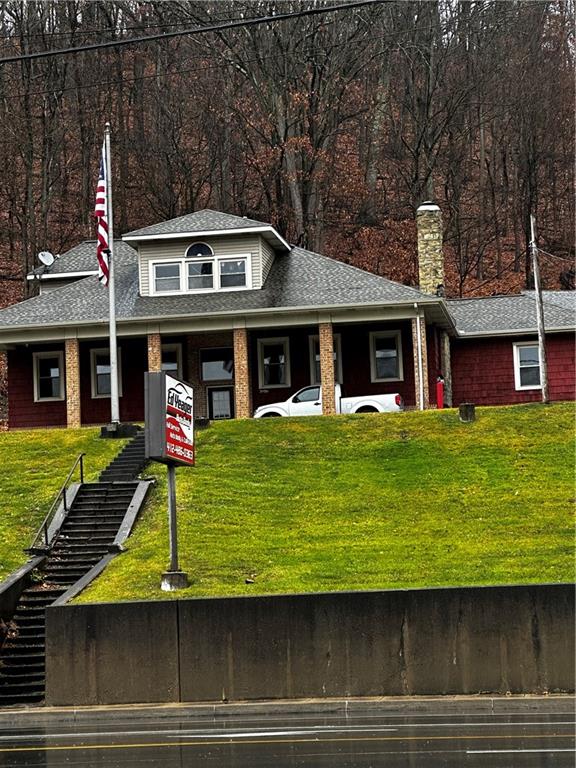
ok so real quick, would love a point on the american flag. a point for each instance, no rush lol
(101, 213)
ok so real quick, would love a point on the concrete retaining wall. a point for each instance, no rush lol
(431, 641)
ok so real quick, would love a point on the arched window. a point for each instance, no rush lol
(197, 250)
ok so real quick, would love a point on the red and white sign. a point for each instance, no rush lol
(179, 421)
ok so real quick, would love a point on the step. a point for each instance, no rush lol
(83, 539)
(75, 562)
(79, 550)
(22, 669)
(31, 698)
(98, 517)
(27, 676)
(36, 601)
(22, 686)
(23, 653)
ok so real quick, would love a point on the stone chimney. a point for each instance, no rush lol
(430, 255)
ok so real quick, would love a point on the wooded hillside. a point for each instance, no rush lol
(334, 127)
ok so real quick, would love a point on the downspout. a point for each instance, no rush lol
(420, 361)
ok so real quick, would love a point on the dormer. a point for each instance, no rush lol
(205, 252)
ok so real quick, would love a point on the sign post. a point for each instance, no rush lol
(170, 440)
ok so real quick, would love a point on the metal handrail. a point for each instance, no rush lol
(61, 494)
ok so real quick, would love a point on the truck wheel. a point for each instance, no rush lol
(367, 409)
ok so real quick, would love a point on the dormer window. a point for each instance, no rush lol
(200, 275)
(233, 273)
(201, 270)
(197, 250)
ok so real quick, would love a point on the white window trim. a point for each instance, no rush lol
(274, 340)
(338, 363)
(388, 335)
(178, 349)
(516, 347)
(216, 260)
(42, 356)
(103, 351)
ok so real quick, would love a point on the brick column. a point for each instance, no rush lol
(73, 416)
(154, 353)
(423, 346)
(326, 344)
(446, 364)
(242, 388)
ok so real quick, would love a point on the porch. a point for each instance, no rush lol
(233, 371)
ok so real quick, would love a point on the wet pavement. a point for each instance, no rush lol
(363, 739)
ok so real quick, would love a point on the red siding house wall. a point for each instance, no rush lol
(483, 370)
(22, 410)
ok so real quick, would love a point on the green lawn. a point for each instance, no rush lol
(363, 502)
(33, 466)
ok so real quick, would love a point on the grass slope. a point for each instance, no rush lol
(33, 466)
(363, 502)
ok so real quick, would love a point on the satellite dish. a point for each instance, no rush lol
(46, 258)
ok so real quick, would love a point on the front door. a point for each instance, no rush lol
(220, 403)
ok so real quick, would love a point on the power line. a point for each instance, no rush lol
(192, 31)
(555, 255)
(306, 53)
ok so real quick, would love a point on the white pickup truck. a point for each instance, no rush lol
(308, 402)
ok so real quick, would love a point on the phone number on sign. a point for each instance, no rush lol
(176, 450)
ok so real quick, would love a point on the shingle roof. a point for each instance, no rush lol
(82, 258)
(510, 314)
(298, 279)
(199, 221)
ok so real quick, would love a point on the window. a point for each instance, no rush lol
(315, 359)
(386, 356)
(273, 363)
(217, 364)
(172, 359)
(100, 372)
(200, 275)
(166, 277)
(308, 395)
(48, 376)
(199, 249)
(527, 365)
(201, 270)
(233, 273)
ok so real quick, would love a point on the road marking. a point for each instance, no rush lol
(512, 751)
(203, 733)
(228, 741)
(229, 732)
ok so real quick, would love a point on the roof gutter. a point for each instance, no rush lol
(233, 313)
(514, 332)
(59, 275)
(207, 233)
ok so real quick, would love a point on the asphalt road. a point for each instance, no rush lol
(360, 740)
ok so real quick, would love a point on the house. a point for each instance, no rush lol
(495, 358)
(226, 303)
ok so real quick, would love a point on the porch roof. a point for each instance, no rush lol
(300, 280)
(508, 315)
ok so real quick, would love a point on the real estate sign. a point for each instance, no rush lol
(169, 419)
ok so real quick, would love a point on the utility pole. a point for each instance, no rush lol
(539, 311)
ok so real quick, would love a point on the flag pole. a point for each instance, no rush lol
(114, 395)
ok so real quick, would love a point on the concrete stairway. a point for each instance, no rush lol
(129, 463)
(87, 534)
